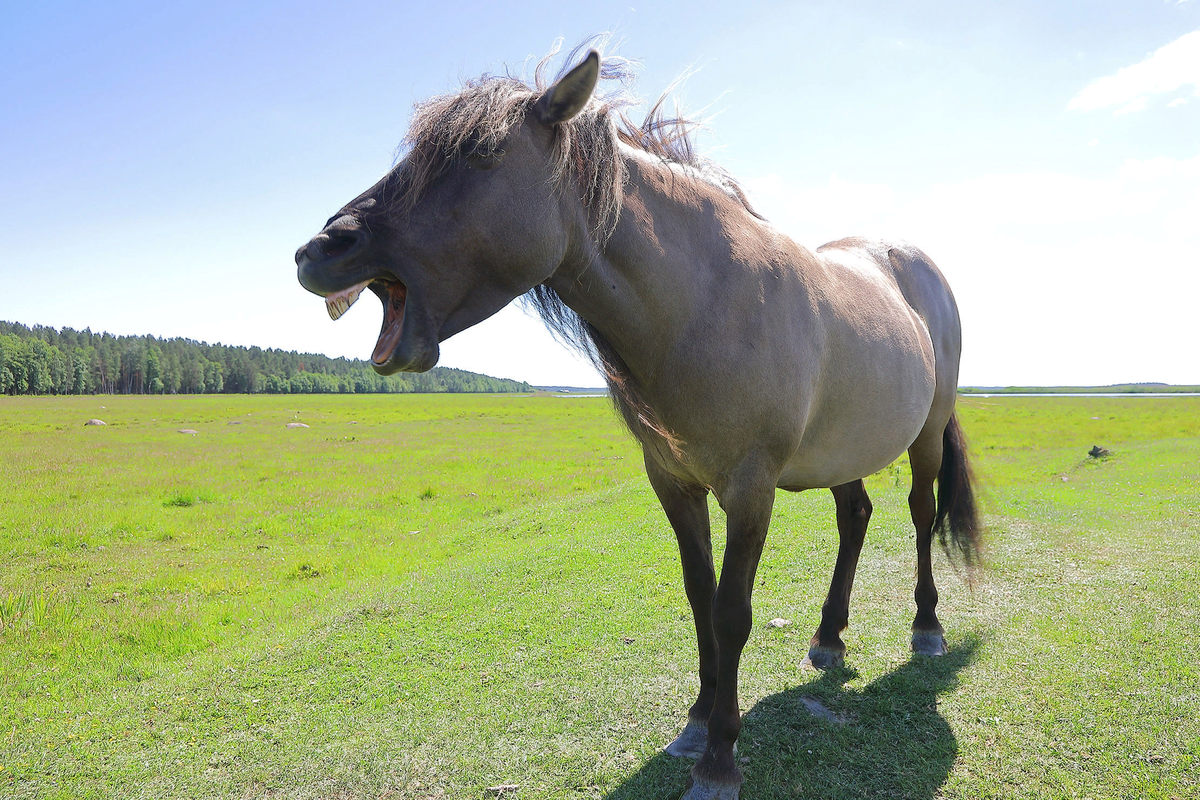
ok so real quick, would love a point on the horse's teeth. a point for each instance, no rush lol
(339, 303)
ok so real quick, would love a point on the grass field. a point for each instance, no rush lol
(428, 596)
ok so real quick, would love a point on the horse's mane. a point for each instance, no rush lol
(477, 119)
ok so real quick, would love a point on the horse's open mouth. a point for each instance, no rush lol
(392, 293)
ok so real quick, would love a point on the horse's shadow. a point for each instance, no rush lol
(824, 740)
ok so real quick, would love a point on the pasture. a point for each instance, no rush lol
(429, 596)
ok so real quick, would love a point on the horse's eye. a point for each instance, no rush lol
(484, 160)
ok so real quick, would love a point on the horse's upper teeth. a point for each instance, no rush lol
(339, 303)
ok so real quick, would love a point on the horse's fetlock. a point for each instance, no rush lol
(718, 768)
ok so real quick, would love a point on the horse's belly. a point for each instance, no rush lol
(868, 415)
(851, 458)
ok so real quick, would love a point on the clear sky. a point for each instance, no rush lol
(161, 162)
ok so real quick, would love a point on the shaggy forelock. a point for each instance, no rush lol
(443, 129)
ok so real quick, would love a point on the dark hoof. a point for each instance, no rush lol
(929, 643)
(711, 790)
(690, 743)
(824, 658)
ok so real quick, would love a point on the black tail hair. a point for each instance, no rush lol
(957, 519)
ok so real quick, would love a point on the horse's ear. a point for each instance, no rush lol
(565, 99)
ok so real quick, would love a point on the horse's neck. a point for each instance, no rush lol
(667, 266)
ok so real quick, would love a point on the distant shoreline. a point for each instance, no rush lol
(580, 390)
(1114, 389)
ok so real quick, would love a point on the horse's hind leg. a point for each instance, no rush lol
(925, 456)
(826, 650)
(687, 510)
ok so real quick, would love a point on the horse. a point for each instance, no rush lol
(741, 361)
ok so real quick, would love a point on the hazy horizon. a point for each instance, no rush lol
(598, 385)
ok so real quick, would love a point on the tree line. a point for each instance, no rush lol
(42, 360)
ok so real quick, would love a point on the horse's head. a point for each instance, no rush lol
(465, 223)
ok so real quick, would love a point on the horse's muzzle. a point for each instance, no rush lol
(327, 263)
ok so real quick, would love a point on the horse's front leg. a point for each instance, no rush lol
(687, 510)
(747, 499)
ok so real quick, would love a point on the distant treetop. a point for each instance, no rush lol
(42, 360)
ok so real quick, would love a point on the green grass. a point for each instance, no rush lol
(427, 596)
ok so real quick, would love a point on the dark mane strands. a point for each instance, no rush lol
(478, 118)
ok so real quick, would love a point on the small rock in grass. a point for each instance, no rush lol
(296, 425)
(779, 622)
(95, 422)
(819, 709)
(188, 431)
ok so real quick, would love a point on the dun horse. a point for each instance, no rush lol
(742, 362)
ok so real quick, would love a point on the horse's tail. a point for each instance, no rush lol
(957, 519)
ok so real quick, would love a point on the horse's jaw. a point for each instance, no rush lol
(408, 340)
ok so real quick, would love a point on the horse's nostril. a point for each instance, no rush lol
(336, 245)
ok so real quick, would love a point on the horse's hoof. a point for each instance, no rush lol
(691, 741)
(929, 643)
(823, 658)
(711, 790)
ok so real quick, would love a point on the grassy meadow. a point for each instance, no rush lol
(455, 596)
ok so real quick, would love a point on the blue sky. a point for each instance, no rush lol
(160, 163)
